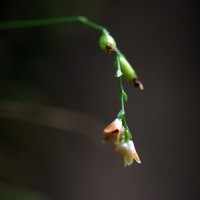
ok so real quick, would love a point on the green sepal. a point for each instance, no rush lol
(118, 73)
(123, 139)
(125, 96)
(128, 135)
(121, 114)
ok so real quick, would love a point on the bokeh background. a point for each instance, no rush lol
(58, 91)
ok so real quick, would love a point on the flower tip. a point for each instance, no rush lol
(136, 157)
(141, 86)
(127, 163)
(139, 161)
(138, 84)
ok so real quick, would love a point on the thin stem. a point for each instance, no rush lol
(122, 92)
(124, 122)
(120, 83)
(88, 23)
(48, 22)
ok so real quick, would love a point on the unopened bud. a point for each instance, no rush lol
(107, 43)
(128, 72)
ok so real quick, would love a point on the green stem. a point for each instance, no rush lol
(48, 22)
(128, 135)
(120, 83)
(121, 92)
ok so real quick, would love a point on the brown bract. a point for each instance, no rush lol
(110, 49)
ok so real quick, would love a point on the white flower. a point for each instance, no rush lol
(127, 149)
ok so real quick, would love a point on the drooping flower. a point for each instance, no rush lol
(114, 129)
(127, 149)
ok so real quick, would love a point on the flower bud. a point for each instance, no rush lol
(107, 43)
(128, 72)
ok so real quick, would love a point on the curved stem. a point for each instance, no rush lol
(48, 22)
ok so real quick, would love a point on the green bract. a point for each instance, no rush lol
(107, 43)
(128, 72)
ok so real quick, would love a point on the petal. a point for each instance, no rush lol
(115, 126)
(128, 158)
(136, 157)
(108, 136)
(118, 136)
(124, 149)
(127, 149)
(128, 162)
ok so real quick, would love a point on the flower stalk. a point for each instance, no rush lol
(17, 24)
(123, 139)
(123, 97)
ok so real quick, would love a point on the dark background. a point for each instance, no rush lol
(61, 67)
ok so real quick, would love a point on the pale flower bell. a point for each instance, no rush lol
(127, 149)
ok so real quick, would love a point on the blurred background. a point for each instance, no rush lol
(58, 92)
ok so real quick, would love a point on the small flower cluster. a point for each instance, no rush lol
(116, 131)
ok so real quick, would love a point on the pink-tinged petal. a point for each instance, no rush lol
(113, 135)
(115, 126)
